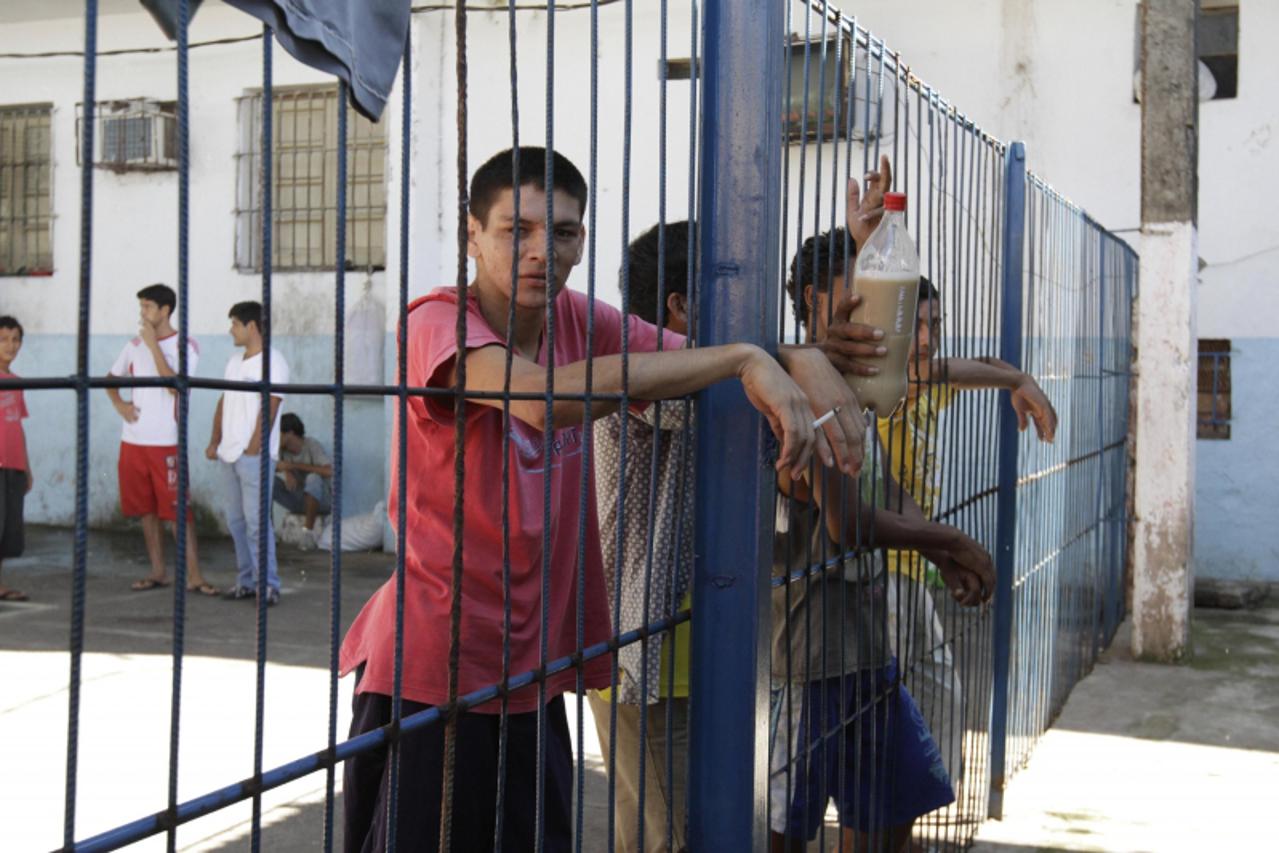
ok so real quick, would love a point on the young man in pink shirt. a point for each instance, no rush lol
(148, 466)
(486, 632)
(15, 469)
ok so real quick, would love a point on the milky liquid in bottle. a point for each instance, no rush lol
(886, 276)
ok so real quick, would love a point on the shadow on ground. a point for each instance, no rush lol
(1155, 757)
(123, 759)
(120, 621)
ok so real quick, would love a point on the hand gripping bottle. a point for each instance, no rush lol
(886, 276)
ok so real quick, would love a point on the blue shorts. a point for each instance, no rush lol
(858, 739)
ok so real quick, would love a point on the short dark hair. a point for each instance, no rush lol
(927, 290)
(648, 271)
(819, 260)
(496, 175)
(247, 312)
(292, 423)
(160, 294)
(8, 322)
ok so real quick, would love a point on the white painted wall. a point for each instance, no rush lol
(1059, 76)
(135, 242)
(135, 215)
(1056, 75)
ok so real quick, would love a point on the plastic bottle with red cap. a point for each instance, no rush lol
(886, 276)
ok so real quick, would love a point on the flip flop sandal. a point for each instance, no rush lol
(147, 583)
(204, 589)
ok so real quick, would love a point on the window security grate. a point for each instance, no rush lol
(304, 184)
(1214, 390)
(26, 190)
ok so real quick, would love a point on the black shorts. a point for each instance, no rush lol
(13, 494)
(366, 777)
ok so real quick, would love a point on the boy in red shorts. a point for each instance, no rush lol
(149, 441)
(15, 471)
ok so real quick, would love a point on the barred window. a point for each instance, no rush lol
(1214, 389)
(26, 190)
(304, 184)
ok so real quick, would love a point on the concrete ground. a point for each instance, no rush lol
(1159, 758)
(1143, 758)
(127, 679)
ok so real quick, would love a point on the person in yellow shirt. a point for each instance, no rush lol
(910, 441)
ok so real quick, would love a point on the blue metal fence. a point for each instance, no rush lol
(1066, 583)
(1021, 273)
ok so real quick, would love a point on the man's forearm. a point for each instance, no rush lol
(322, 470)
(650, 376)
(971, 373)
(907, 532)
(215, 435)
(162, 364)
(887, 527)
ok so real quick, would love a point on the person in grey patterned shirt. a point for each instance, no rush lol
(644, 484)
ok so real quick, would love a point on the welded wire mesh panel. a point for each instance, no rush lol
(881, 622)
(541, 498)
(525, 677)
(1068, 588)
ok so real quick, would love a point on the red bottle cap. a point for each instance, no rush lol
(894, 201)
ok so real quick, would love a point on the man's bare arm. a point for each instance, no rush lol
(654, 376)
(215, 435)
(965, 565)
(123, 407)
(255, 442)
(1028, 400)
(322, 470)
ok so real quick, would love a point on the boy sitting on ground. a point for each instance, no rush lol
(302, 476)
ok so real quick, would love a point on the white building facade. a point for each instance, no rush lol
(1059, 76)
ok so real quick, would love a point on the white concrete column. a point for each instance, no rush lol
(1165, 414)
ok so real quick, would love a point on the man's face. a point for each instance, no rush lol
(292, 441)
(240, 332)
(10, 343)
(821, 304)
(152, 314)
(492, 244)
(927, 336)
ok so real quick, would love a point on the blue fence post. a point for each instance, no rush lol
(1010, 332)
(739, 214)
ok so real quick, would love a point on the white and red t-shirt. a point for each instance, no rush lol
(13, 441)
(157, 423)
(428, 556)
